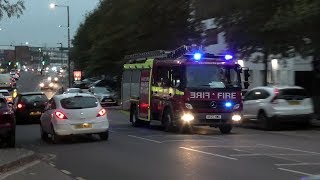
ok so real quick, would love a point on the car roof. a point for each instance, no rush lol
(63, 96)
(31, 93)
(73, 89)
(3, 90)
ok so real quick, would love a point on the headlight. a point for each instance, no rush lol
(187, 117)
(236, 118)
(188, 106)
(237, 106)
(41, 85)
(51, 85)
(56, 79)
(49, 78)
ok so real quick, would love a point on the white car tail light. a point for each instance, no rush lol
(102, 112)
(60, 115)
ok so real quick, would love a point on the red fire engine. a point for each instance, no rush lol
(183, 88)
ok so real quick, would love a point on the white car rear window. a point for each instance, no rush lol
(289, 93)
(79, 102)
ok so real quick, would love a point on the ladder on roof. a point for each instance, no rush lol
(160, 54)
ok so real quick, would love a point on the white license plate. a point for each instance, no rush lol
(213, 116)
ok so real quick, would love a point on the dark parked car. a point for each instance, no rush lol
(7, 124)
(28, 107)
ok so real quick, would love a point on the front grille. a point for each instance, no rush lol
(207, 104)
(107, 100)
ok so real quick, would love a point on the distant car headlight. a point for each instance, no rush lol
(41, 85)
(187, 117)
(49, 78)
(56, 79)
(51, 85)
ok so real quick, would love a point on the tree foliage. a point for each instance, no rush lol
(120, 27)
(274, 25)
(10, 9)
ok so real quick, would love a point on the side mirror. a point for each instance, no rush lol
(246, 85)
(246, 75)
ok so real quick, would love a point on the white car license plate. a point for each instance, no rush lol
(213, 116)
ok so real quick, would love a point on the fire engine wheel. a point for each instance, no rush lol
(167, 121)
(226, 129)
(134, 118)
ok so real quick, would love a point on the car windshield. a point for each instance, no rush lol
(73, 90)
(98, 90)
(5, 93)
(292, 92)
(34, 98)
(79, 102)
(212, 76)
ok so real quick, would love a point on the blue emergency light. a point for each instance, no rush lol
(228, 57)
(228, 104)
(197, 56)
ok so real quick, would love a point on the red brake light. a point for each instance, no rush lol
(20, 106)
(102, 112)
(275, 98)
(60, 115)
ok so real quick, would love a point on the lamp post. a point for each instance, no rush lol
(52, 6)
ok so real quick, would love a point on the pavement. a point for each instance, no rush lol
(150, 153)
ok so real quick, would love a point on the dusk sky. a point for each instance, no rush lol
(39, 25)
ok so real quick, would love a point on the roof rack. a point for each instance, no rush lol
(161, 54)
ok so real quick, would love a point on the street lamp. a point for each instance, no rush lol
(52, 6)
(27, 43)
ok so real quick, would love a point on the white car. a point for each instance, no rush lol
(5, 93)
(272, 105)
(73, 114)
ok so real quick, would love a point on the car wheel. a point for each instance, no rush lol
(265, 122)
(55, 137)
(135, 121)
(11, 139)
(225, 129)
(104, 136)
(167, 121)
(44, 135)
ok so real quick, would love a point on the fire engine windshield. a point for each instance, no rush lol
(212, 76)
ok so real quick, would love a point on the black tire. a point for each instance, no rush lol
(265, 122)
(55, 138)
(11, 139)
(167, 121)
(44, 135)
(104, 136)
(225, 129)
(135, 121)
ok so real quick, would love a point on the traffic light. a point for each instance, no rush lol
(43, 62)
(9, 63)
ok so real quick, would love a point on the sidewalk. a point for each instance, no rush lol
(10, 158)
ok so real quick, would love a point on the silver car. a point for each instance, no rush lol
(105, 95)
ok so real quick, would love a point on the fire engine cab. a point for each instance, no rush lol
(185, 87)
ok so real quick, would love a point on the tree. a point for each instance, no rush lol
(268, 25)
(120, 27)
(11, 9)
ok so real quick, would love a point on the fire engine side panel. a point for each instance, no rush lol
(144, 94)
(125, 89)
(135, 84)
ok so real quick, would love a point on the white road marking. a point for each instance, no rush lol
(189, 140)
(10, 173)
(291, 149)
(203, 152)
(146, 139)
(80, 178)
(51, 164)
(297, 172)
(65, 171)
(241, 155)
(223, 146)
(238, 150)
(298, 164)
